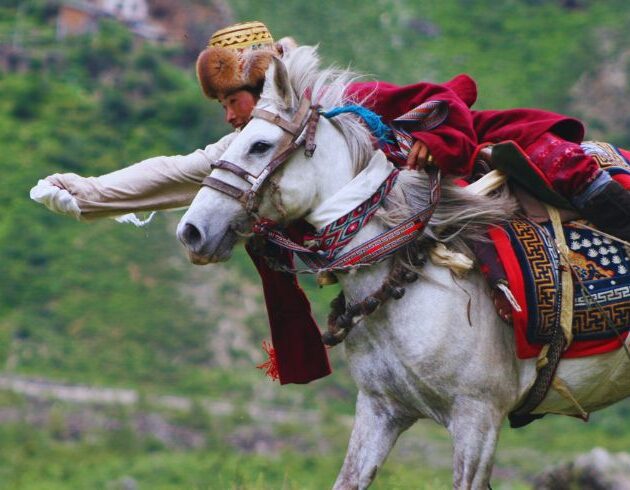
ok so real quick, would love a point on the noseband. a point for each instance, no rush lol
(297, 132)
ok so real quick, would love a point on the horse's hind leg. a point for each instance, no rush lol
(475, 430)
(376, 428)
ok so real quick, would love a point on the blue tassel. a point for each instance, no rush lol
(373, 121)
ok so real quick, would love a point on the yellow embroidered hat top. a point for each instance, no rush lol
(236, 58)
(243, 35)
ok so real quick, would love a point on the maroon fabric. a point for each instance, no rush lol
(300, 352)
(452, 143)
(524, 126)
(564, 163)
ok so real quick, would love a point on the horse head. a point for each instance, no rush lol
(264, 174)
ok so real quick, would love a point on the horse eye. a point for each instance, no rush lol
(259, 148)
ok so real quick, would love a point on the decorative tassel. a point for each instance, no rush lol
(378, 128)
(457, 262)
(271, 364)
(510, 297)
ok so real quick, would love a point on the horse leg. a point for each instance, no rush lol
(376, 428)
(474, 427)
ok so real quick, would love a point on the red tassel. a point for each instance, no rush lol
(271, 364)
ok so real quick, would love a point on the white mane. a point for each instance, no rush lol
(328, 89)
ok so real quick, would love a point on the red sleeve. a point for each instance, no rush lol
(524, 126)
(453, 142)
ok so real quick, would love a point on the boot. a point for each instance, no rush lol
(609, 210)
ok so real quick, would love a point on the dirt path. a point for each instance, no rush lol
(44, 389)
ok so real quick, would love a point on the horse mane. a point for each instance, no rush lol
(460, 217)
(328, 89)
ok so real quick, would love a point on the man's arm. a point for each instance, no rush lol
(154, 184)
(451, 144)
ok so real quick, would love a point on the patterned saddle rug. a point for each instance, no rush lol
(601, 297)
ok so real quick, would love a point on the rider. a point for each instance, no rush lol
(232, 70)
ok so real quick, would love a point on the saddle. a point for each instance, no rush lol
(568, 282)
(527, 250)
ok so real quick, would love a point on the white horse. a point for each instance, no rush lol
(440, 352)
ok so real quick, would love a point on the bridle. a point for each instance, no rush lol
(297, 132)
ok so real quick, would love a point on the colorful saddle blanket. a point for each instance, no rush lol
(601, 299)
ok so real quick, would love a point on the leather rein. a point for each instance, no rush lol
(297, 132)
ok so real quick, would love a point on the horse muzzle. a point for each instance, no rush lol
(203, 249)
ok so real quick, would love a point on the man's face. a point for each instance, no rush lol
(238, 107)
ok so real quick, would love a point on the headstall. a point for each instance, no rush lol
(297, 132)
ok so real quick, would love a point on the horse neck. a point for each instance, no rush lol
(335, 162)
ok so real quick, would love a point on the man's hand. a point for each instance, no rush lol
(419, 156)
(56, 199)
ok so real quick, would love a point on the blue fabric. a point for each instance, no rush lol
(373, 121)
(592, 190)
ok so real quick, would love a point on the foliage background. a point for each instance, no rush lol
(107, 305)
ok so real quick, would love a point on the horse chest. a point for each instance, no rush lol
(397, 373)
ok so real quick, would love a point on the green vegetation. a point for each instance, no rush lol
(109, 305)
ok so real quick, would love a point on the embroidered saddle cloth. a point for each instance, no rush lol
(601, 297)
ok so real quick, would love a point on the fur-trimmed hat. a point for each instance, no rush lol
(237, 58)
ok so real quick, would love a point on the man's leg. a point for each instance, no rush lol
(578, 177)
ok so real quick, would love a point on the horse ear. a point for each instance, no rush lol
(282, 85)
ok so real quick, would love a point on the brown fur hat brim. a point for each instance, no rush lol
(223, 70)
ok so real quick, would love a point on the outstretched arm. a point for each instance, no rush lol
(153, 184)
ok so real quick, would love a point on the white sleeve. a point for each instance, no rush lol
(153, 184)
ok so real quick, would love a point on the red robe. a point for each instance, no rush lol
(453, 143)
(524, 126)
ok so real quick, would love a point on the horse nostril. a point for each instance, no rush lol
(191, 236)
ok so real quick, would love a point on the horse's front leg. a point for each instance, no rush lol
(377, 425)
(474, 427)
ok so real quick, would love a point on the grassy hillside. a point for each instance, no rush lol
(111, 305)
